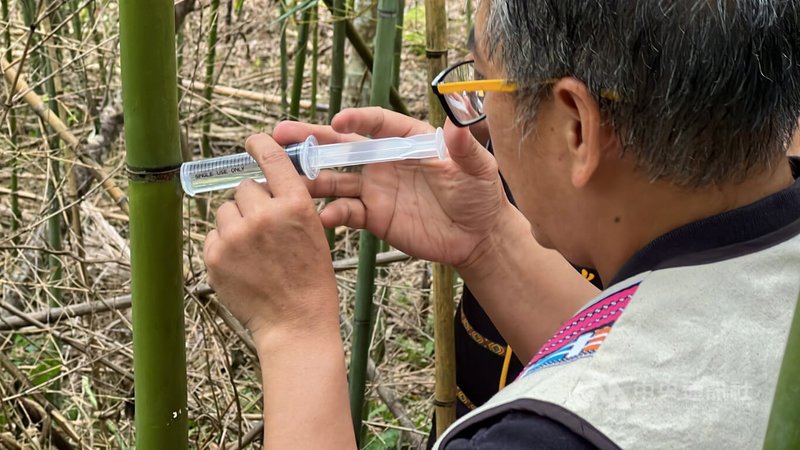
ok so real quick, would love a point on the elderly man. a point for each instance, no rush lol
(647, 139)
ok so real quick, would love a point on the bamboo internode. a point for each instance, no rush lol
(445, 391)
(152, 138)
(368, 243)
(444, 347)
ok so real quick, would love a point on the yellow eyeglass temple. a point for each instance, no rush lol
(476, 85)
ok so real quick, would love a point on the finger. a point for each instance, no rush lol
(378, 123)
(278, 169)
(289, 132)
(344, 211)
(227, 215)
(211, 238)
(251, 196)
(330, 183)
(465, 151)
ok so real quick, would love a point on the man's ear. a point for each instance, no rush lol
(587, 137)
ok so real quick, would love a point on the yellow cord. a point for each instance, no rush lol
(504, 373)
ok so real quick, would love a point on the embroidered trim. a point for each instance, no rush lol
(582, 336)
(481, 340)
(462, 397)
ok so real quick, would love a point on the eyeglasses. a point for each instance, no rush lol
(462, 95)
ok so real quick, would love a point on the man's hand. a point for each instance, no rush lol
(431, 209)
(268, 259)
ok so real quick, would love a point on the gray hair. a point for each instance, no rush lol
(702, 92)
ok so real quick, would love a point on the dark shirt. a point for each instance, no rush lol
(519, 429)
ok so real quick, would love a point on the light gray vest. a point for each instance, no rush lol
(690, 360)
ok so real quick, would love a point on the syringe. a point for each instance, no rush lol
(308, 158)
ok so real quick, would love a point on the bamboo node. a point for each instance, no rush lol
(444, 404)
(432, 54)
(153, 175)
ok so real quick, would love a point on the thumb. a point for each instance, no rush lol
(465, 151)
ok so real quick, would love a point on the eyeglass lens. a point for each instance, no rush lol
(466, 106)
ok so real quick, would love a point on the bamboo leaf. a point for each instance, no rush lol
(87, 388)
(45, 371)
(299, 7)
(783, 431)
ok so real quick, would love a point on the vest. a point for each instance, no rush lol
(683, 356)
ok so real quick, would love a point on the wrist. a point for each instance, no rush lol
(305, 387)
(273, 340)
(512, 229)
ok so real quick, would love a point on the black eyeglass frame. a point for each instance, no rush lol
(498, 85)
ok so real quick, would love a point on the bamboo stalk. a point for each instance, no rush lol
(436, 53)
(91, 104)
(211, 56)
(284, 60)
(368, 244)
(72, 182)
(444, 345)
(40, 108)
(339, 10)
(314, 62)
(16, 215)
(469, 12)
(783, 430)
(398, 44)
(445, 391)
(365, 286)
(366, 56)
(384, 53)
(152, 136)
(337, 58)
(299, 64)
(53, 84)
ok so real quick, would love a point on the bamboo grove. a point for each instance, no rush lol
(109, 335)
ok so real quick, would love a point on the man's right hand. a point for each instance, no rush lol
(437, 210)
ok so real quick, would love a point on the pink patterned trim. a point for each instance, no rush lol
(603, 312)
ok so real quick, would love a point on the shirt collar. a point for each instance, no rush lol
(740, 225)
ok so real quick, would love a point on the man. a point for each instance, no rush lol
(644, 138)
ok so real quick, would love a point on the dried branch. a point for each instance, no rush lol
(36, 103)
(35, 408)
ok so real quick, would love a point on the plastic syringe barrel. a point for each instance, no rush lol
(308, 158)
(229, 171)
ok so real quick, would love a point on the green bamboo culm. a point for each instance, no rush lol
(312, 112)
(147, 51)
(12, 134)
(284, 78)
(368, 244)
(337, 59)
(211, 56)
(54, 238)
(398, 45)
(336, 83)
(366, 56)
(299, 64)
(469, 11)
(783, 431)
(77, 29)
(365, 287)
